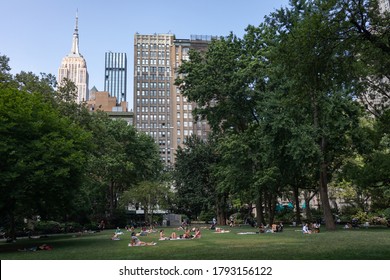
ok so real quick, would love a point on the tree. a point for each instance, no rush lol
(5, 76)
(367, 32)
(192, 176)
(321, 81)
(42, 154)
(150, 195)
(123, 158)
(368, 172)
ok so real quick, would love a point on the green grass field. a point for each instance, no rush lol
(358, 244)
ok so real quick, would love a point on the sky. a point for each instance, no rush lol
(36, 35)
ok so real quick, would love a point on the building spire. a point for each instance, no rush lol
(75, 43)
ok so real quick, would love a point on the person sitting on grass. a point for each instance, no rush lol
(115, 236)
(305, 229)
(280, 227)
(187, 234)
(162, 235)
(198, 234)
(118, 231)
(316, 227)
(136, 242)
(173, 235)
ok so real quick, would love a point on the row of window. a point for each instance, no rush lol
(152, 126)
(186, 132)
(162, 151)
(153, 101)
(152, 46)
(153, 117)
(161, 54)
(185, 115)
(154, 69)
(153, 109)
(185, 107)
(140, 77)
(185, 124)
(153, 85)
(153, 92)
(152, 62)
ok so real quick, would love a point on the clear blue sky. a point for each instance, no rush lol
(37, 34)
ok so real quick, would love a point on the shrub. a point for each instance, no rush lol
(386, 213)
(362, 216)
(206, 216)
(48, 227)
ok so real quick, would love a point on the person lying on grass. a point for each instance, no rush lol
(136, 242)
(220, 230)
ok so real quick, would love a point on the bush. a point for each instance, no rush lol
(206, 216)
(348, 213)
(386, 213)
(287, 215)
(361, 217)
(72, 227)
(48, 227)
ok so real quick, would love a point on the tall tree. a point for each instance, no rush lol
(319, 68)
(193, 178)
(123, 158)
(42, 157)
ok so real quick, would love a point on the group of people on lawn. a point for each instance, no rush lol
(193, 233)
(189, 233)
(311, 228)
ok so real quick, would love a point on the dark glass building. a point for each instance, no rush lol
(115, 75)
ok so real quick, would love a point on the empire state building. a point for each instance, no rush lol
(74, 68)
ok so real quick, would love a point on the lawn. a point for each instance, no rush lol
(358, 244)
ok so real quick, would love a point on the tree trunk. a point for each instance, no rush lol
(259, 210)
(146, 215)
(307, 198)
(329, 221)
(330, 224)
(297, 208)
(266, 205)
(272, 204)
(220, 207)
(111, 198)
(12, 231)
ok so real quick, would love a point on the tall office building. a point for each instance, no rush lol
(152, 89)
(159, 108)
(74, 68)
(185, 124)
(115, 75)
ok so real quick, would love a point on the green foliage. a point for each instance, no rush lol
(386, 213)
(193, 177)
(59, 161)
(48, 227)
(206, 216)
(362, 216)
(43, 156)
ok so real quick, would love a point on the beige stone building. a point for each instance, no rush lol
(159, 108)
(103, 101)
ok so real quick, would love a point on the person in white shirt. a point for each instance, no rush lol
(306, 229)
